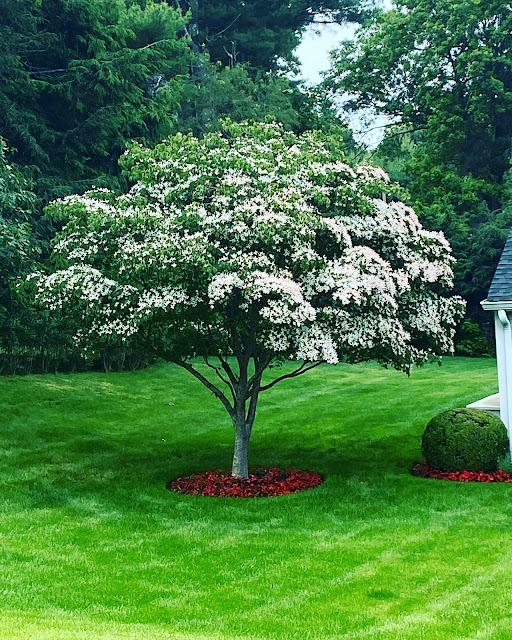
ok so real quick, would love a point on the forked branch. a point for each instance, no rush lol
(208, 384)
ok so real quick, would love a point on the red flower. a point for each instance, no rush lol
(263, 483)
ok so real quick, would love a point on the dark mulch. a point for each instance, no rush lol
(424, 471)
(261, 483)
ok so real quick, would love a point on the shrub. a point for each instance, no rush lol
(465, 439)
(471, 341)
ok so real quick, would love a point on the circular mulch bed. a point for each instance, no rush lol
(424, 471)
(260, 484)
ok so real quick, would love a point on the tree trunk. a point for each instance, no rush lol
(245, 393)
(240, 467)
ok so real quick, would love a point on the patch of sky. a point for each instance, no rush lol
(314, 56)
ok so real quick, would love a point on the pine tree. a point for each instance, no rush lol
(262, 32)
(84, 76)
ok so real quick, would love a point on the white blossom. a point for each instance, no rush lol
(262, 238)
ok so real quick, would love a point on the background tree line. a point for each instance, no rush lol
(79, 78)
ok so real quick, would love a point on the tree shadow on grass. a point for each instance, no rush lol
(132, 471)
(364, 482)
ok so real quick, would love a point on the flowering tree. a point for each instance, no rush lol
(246, 248)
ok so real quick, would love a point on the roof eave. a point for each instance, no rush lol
(496, 305)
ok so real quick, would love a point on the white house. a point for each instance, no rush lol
(499, 301)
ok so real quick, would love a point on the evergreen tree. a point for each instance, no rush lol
(262, 32)
(80, 77)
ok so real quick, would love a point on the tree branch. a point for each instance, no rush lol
(209, 385)
(219, 33)
(251, 412)
(260, 367)
(302, 369)
(126, 52)
(225, 365)
(386, 137)
(44, 72)
(219, 375)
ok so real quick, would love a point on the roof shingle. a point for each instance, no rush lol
(501, 285)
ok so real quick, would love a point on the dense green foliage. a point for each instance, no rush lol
(441, 70)
(471, 340)
(17, 204)
(262, 32)
(78, 83)
(19, 249)
(464, 439)
(82, 77)
(241, 95)
(95, 548)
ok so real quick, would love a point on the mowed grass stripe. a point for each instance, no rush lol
(92, 543)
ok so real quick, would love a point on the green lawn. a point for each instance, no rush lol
(93, 546)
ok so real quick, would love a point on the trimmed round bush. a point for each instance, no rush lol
(464, 439)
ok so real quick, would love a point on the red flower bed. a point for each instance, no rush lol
(264, 483)
(424, 471)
